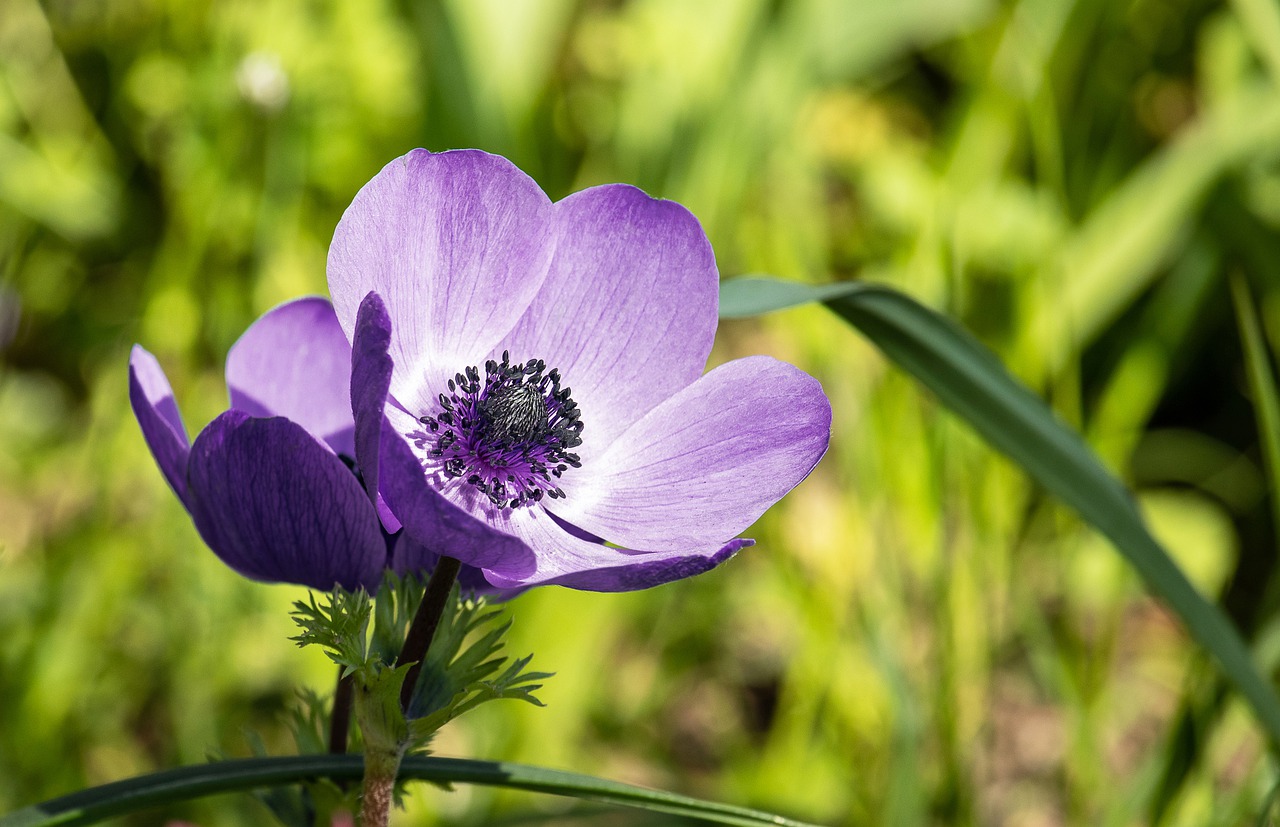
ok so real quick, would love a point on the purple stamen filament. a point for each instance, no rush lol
(508, 434)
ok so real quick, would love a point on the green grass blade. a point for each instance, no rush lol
(1262, 386)
(972, 382)
(171, 786)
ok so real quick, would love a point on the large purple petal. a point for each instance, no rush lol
(568, 560)
(456, 243)
(276, 505)
(705, 464)
(436, 524)
(628, 309)
(157, 413)
(295, 362)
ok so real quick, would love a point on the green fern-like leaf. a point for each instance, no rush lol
(464, 668)
(339, 624)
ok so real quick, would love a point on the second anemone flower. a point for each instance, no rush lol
(527, 379)
(269, 482)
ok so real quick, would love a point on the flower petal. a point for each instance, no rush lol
(567, 560)
(295, 362)
(370, 379)
(410, 556)
(157, 414)
(433, 525)
(436, 524)
(456, 243)
(276, 505)
(628, 308)
(706, 463)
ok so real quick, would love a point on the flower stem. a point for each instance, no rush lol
(340, 725)
(380, 769)
(381, 715)
(423, 627)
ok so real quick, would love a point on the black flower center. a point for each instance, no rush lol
(508, 434)
(515, 413)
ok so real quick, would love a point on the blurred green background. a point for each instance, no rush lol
(920, 637)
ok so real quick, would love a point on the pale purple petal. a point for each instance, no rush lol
(628, 309)
(295, 362)
(157, 414)
(278, 506)
(568, 560)
(456, 243)
(705, 464)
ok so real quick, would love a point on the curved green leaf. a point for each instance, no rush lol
(971, 381)
(170, 786)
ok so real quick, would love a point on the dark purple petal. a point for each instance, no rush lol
(157, 414)
(370, 378)
(456, 244)
(295, 362)
(565, 559)
(438, 525)
(705, 464)
(627, 311)
(276, 505)
(646, 573)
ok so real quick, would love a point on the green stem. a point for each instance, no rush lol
(385, 734)
(423, 627)
(380, 710)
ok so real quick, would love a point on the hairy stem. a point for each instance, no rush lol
(380, 769)
(423, 628)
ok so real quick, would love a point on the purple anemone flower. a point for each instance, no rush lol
(527, 379)
(269, 483)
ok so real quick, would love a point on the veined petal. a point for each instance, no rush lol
(152, 400)
(568, 560)
(627, 311)
(456, 243)
(706, 463)
(295, 362)
(278, 506)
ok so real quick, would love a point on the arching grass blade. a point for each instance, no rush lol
(171, 786)
(971, 381)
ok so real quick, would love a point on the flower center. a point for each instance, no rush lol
(508, 434)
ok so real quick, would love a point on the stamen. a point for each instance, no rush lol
(508, 433)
